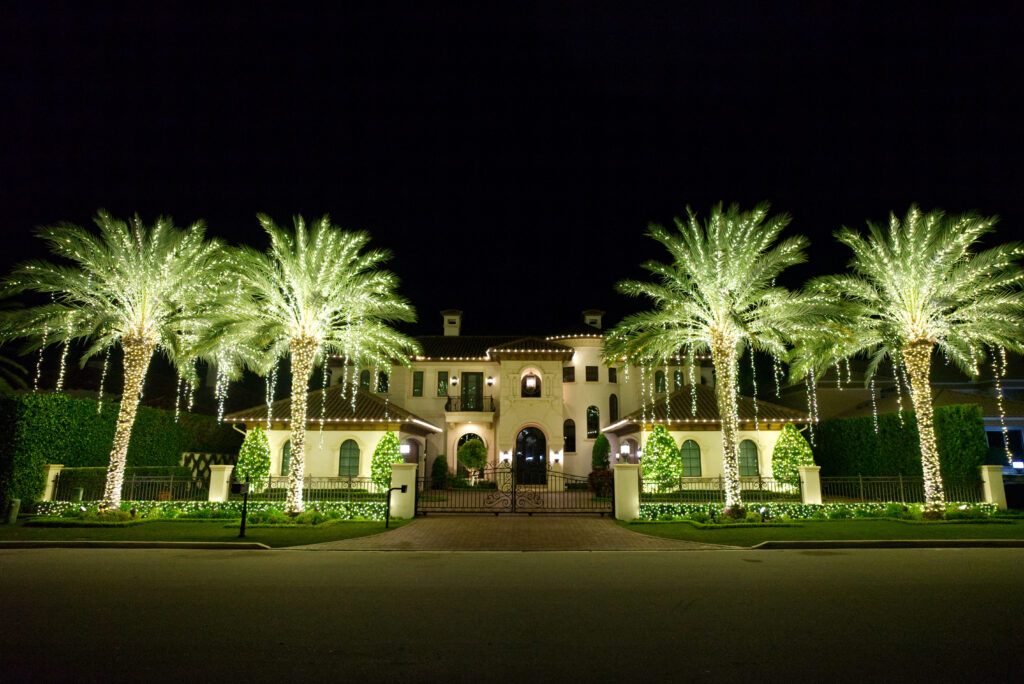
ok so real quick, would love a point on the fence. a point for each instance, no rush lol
(88, 484)
(712, 489)
(319, 489)
(898, 488)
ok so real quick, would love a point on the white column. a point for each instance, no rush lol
(627, 491)
(52, 470)
(220, 482)
(992, 485)
(403, 505)
(810, 484)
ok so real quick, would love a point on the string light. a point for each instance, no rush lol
(103, 379)
(917, 358)
(138, 350)
(999, 371)
(64, 358)
(39, 362)
(874, 405)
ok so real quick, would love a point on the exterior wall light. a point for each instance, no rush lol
(624, 448)
(404, 449)
(490, 381)
(454, 380)
(531, 382)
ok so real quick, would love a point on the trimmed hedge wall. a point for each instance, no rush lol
(53, 428)
(849, 446)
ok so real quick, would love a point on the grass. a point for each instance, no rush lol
(832, 530)
(202, 530)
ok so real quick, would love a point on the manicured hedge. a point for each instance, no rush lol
(53, 428)
(849, 446)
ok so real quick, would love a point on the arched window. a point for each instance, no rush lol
(677, 381)
(690, 453)
(348, 461)
(659, 382)
(382, 381)
(593, 421)
(531, 385)
(286, 457)
(466, 437)
(364, 380)
(748, 459)
(613, 408)
(569, 435)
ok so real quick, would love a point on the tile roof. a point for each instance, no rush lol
(460, 346)
(369, 408)
(681, 404)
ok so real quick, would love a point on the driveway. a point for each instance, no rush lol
(510, 533)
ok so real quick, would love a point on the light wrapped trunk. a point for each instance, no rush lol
(303, 351)
(723, 355)
(918, 357)
(137, 354)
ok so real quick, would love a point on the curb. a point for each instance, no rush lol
(893, 544)
(212, 546)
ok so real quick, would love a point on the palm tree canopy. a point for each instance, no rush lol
(315, 283)
(721, 278)
(920, 280)
(128, 281)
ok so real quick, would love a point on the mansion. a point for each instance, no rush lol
(536, 402)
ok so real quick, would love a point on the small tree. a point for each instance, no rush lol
(791, 450)
(602, 449)
(439, 472)
(473, 454)
(661, 462)
(388, 451)
(254, 458)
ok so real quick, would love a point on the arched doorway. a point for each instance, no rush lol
(531, 457)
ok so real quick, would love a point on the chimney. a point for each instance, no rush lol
(452, 322)
(592, 317)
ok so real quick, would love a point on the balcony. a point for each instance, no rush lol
(469, 409)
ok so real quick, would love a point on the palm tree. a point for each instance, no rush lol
(314, 293)
(138, 287)
(915, 287)
(718, 294)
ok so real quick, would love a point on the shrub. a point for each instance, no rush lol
(602, 449)
(894, 510)
(840, 513)
(268, 517)
(388, 451)
(254, 458)
(753, 517)
(439, 473)
(700, 516)
(601, 482)
(313, 517)
(661, 462)
(791, 450)
(473, 454)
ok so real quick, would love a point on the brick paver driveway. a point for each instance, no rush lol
(510, 533)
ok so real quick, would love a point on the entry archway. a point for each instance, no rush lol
(531, 456)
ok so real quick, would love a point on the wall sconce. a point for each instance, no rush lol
(556, 457)
(490, 381)
(404, 449)
(454, 380)
(624, 448)
(531, 382)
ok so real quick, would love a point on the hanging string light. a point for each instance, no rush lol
(839, 375)
(64, 357)
(898, 372)
(998, 371)
(753, 380)
(874, 405)
(103, 378)
(323, 397)
(177, 395)
(271, 389)
(777, 374)
(693, 385)
(39, 361)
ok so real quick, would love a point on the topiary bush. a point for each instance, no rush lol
(791, 450)
(439, 473)
(602, 450)
(254, 458)
(661, 462)
(388, 451)
(473, 454)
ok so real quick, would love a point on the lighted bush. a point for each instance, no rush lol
(791, 450)
(388, 451)
(254, 458)
(661, 462)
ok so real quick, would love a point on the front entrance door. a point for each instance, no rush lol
(531, 452)
(472, 391)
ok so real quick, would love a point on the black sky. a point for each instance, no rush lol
(511, 160)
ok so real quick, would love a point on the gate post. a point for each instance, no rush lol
(52, 471)
(627, 491)
(810, 484)
(403, 504)
(220, 482)
(992, 488)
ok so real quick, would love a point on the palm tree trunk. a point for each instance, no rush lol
(918, 357)
(137, 354)
(303, 349)
(723, 355)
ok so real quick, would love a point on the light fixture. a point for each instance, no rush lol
(454, 380)
(404, 449)
(490, 381)
(624, 449)
(1018, 464)
(531, 382)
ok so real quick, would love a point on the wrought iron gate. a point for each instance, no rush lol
(504, 489)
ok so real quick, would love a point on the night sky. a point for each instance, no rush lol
(511, 161)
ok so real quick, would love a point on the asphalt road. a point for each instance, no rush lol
(858, 615)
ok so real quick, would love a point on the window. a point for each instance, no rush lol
(591, 373)
(613, 408)
(593, 421)
(531, 385)
(286, 457)
(690, 453)
(364, 380)
(417, 383)
(677, 379)
(568, 373)
(748, 459)
(659, 382)
(382, 381)
(442, 383)
(569, 435)
(613, 375)
(348, 461)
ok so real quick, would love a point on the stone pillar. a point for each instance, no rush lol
(627, 491)
(992, 485)
(556, 482)
(220, 482)
(810, 484)
(403, 505)
(52, 470)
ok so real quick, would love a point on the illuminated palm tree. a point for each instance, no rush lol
(917, 286)
(137, 287)
(315, 292)
(717, 295)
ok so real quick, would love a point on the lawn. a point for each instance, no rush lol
(208, 531)
(833, 530)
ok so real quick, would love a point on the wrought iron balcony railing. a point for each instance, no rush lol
(469, 403)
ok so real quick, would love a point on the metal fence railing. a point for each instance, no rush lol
(712, 489)
(88, 484)
(895, 488)
(319, 489)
